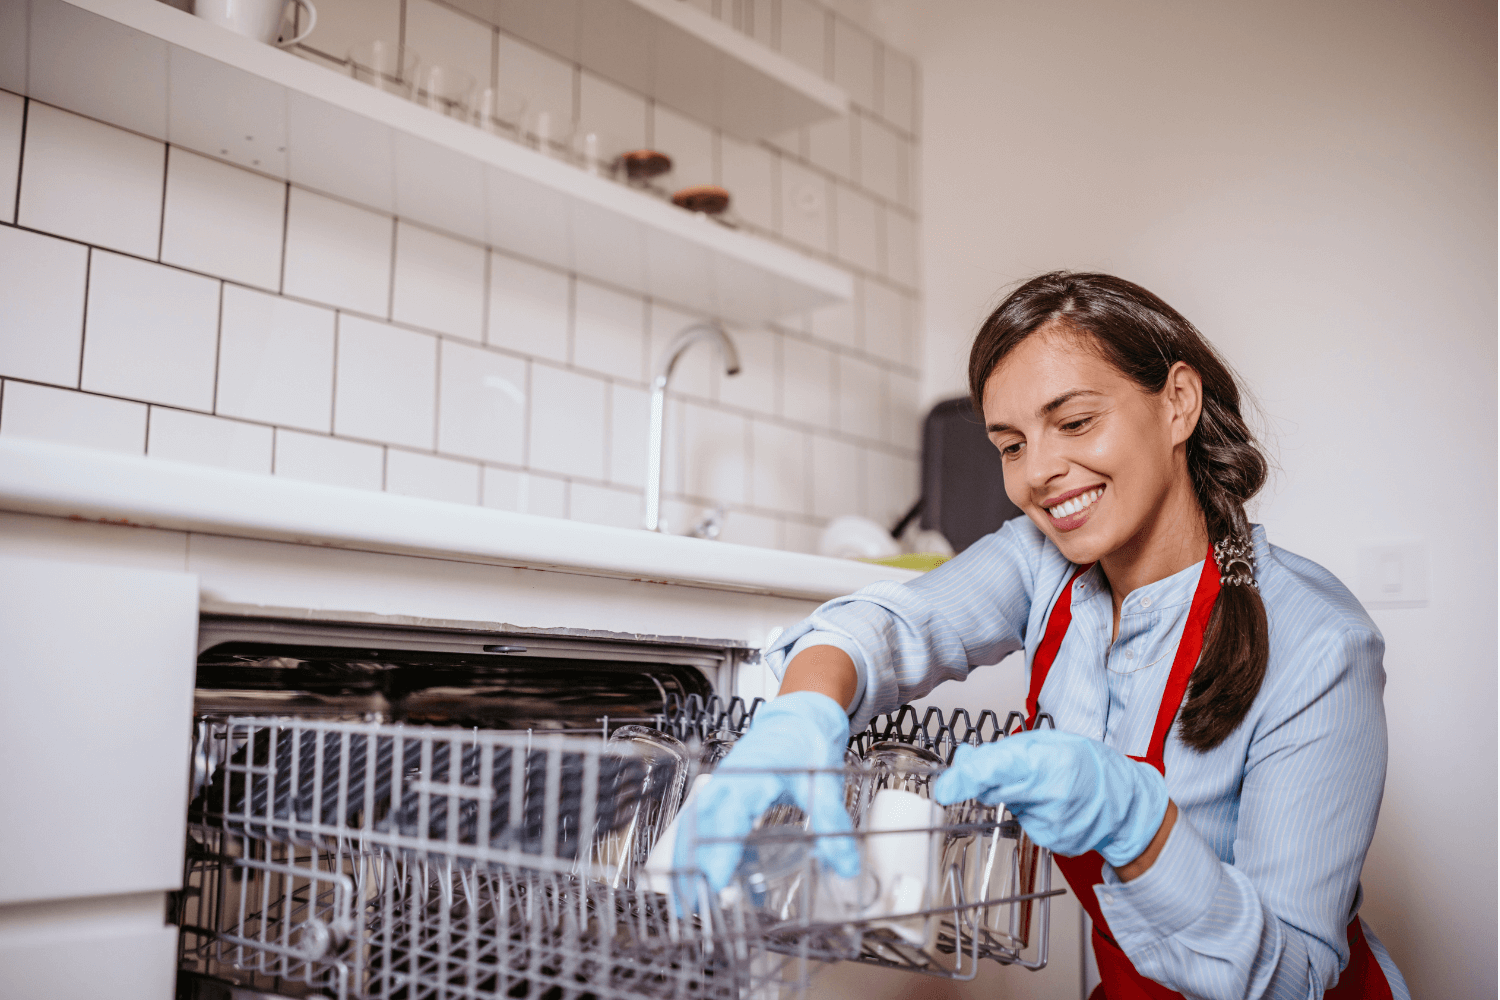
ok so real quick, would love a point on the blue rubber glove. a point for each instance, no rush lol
(1071, 794)
(799, 730)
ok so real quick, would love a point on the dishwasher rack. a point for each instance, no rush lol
(347, 859)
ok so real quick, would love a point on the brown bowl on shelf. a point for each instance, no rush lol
(709, 199)
(643, 164)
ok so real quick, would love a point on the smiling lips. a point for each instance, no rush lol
(1074, 508)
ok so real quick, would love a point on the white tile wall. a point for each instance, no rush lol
(567, 423)
(439, 283)
(181, 436)
(91, 182)
(275, 360)
(151, 332)
(337, 254)
(806, 383)
(12, 110)
(525, 493)
(386, 386)
(529, 308)
(608, 331)
(445, 369)
(43, 413)
(481, 404)
(416, 475)
(318, 459)
(606, 505)
(223, 220)
(41, 307)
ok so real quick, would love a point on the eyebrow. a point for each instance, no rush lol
(1046, 408)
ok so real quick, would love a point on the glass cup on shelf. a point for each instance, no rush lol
(500, 112)
(384, 66)
(546, 131)
(598, 151)
(446, 90)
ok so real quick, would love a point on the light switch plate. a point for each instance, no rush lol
(1393, 575)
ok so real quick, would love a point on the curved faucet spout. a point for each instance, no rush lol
(690, 335)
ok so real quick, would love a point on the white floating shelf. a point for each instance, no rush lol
(148, 67)
(678, 55)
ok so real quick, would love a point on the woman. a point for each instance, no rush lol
(1215, 775)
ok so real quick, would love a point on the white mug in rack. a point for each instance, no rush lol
(257, 19)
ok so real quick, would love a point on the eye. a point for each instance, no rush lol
(1010, 450)
(1073, 426)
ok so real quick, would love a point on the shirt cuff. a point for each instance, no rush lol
(1171, 895)
(848, 645)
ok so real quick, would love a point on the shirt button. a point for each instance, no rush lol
(1129, 655)
(1108, 897)
(1145, 602)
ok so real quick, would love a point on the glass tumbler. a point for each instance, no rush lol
(446, 90)
(383, 65)
(666, 767)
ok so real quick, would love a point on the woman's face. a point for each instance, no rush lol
(1092, 459)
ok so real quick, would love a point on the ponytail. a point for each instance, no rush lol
(1143, 338)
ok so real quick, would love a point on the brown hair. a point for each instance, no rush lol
(1143, 338)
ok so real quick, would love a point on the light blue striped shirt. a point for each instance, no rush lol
(1252, 892)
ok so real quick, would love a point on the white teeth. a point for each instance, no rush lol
(1070, 507)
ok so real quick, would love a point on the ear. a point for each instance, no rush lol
(1182, 398)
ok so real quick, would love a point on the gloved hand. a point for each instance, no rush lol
(1071, 794)
(799, 730)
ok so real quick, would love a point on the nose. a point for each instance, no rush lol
(1044, 465)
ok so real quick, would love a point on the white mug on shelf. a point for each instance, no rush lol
(257, 19)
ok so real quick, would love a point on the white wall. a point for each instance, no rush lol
(1314, 186)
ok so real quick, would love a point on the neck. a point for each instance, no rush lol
(1173, 539)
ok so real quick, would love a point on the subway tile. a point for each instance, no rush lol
(344, 24)
(223, 220)
(606, 505)
(778, 467)
(63, 416)
(715, 461)
(762, 21)
(416, 475)
(629, 425)
(180, 436)
(694, 374)
(804, 206)
(901, 248)
(41, 309)
(882, 161)
(689, 144)
(151, 332)
(887, 322)
(793, 142)
(567, 423)
(754, 388)
(439, 283)
(898, 95)
(748, 173)
(385, 388)
(544, 80)
(804, 33)
(837, 478)
(315, 458)
(529, 308)
(337, 254)
(608, 331)
(92, 182)
(12, 111)
(525, 492)
(743, 528)
(613, 111)
(806, 383)
(891, 486)
(443, 37)
(481, 404)
(904, 427)
(835, 324)
(863, 403)
(857, 224)
(275, 360)
(830, 145)
(801, 536)
(854, 62)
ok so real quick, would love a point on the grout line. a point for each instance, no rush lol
(83, 330)
(437, 390)
(333, 392)
(146, 444)
(15, 213)
(218, 350)
(286, 226)
(390, 301)
(526, 420)
(161, 222)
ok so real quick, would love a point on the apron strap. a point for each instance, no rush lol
(1057, 627)
(1188, 648)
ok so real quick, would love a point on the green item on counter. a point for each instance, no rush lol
(920, 561)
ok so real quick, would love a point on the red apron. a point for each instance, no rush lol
(1362, 978)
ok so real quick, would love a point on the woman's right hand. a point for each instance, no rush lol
(790, 736)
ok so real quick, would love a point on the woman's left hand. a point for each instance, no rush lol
(1071, 794)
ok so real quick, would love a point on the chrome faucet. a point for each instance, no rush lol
(687, 338)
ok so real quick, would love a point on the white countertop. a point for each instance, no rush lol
(61, 481)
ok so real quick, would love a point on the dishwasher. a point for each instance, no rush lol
(402, 812)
